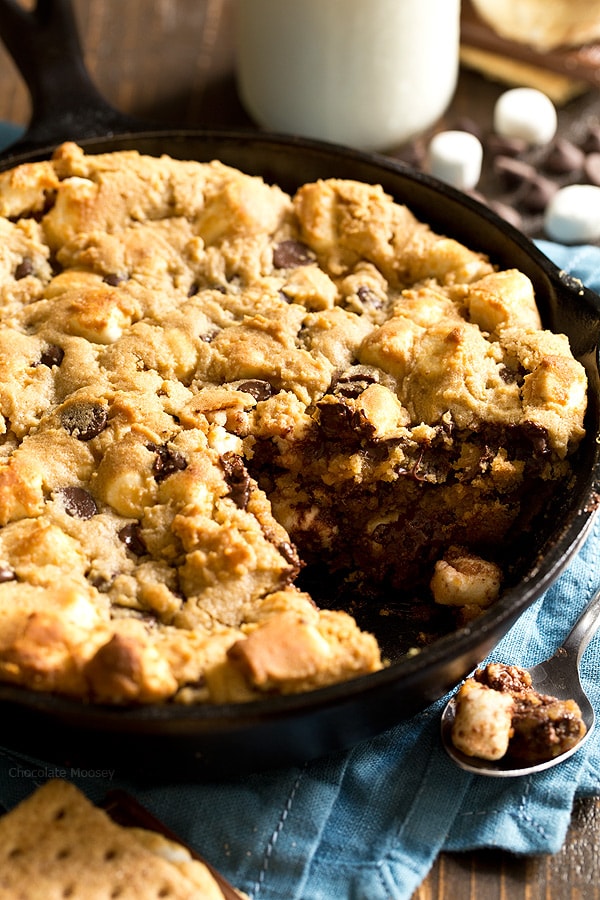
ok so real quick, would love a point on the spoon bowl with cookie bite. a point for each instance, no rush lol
(506, 721)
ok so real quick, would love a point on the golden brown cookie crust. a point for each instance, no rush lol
(206, 383)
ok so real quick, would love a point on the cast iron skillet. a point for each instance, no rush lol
(204, 742)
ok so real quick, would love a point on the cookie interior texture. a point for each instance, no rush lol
(211, 390)
(57, 844)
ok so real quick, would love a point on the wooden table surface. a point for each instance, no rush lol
(171, 61)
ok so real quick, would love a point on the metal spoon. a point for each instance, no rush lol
(558, 677)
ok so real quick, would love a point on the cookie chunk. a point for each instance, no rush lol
(499, 714)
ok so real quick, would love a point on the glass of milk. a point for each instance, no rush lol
(369, 74)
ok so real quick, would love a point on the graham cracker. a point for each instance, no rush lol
(56, 844)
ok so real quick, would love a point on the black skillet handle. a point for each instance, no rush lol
(66, 105)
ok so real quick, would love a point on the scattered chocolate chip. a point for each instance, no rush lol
(52, 355)
(496, 145)
(260, 390)
(591, 142)
(6, 573)
(209, 337)
(84, 420)
(521, 181)
(563, 157)
(591, 168)
(289, 254)
(193, 289)
(24, 268)
(477, 195)
(237, 478)
(78, 502)
(537, 194)
(167, 462)
(513, 172)
(465, 123)
(113, 279)
(415, 154)
(131, 536)
(506, 212)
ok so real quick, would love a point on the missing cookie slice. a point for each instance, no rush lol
(210, 390)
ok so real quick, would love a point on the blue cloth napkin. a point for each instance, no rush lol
(367, 824)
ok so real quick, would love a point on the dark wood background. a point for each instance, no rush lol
(171, 61)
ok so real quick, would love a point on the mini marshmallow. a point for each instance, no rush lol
(455, 157)
(525, 113)
(573, 214)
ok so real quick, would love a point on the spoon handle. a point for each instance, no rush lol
(584, 629)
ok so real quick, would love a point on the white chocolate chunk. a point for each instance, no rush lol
(455, 157)
(525, 113)
(573, 214)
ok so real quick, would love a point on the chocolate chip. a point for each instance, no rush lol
(24, 268)
(563, 157)
(537, 194)
(113, 279)
(513, 172)
(6, 573)
(537, 436)
(369, 297)
(477, 195)
(350, 390)
(167, 462)
(131, 536)
(260, 390)
(591, 142)
(591, 168)
(415, 154)
(237, 478)
(465, 123)
(354, 381)
(78, 502)
(496, 145)
(84, 420)
(209, 337)
(506, 212)
(336, 420)
(102, 584)
(289, 254)
(52, 355)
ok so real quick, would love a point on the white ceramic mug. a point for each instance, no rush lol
(370, 74)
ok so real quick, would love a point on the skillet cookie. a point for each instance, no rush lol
(209, 388)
